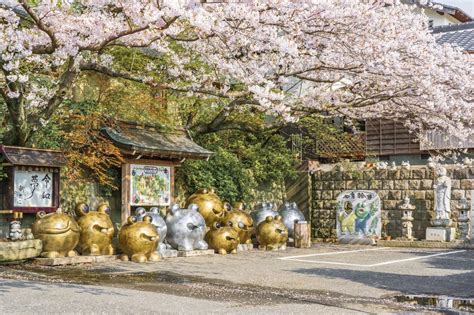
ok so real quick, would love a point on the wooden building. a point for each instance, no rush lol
(151, 156)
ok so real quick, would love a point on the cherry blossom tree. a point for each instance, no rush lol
(363, 59)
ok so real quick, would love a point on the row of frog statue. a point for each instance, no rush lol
(206, 222)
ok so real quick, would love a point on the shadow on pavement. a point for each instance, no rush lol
(446, 283)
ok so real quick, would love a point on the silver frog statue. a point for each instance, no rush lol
(15, 231)
(186, 228)
(157, 221)
(261, 211)
(290, 214)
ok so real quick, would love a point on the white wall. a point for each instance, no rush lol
(439, 19)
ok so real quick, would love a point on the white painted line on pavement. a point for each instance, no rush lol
(416, 258)
(334, 253)
(295, 258)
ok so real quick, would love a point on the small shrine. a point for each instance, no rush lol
(151, 156)
(32, 182)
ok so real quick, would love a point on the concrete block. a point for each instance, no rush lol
(62, 261)
(405, 174)
(19, 250)
(192, 253)
(388, 184)
(168, 253)
(440, 234)
(244, 247)
(418, 173)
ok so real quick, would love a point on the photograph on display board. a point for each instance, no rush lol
(150, 185)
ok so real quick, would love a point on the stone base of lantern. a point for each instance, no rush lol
(440, 234)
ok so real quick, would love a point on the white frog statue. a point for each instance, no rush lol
(15, 231)
(186, 228)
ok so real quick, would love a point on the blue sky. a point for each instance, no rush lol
(465, 5)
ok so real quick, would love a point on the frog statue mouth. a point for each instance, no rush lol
(193, 227)
(102, 229)
(55, 230)
(231, 239)
(148, 237)
(280, 231)
(217, 212)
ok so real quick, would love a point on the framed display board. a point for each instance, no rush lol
(150, 185)
(32, 182)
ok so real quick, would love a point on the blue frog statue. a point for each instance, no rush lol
(186, 228)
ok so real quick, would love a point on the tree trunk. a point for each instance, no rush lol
(19, 132)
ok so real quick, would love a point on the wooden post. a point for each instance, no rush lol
(302, 234)
(125, 213)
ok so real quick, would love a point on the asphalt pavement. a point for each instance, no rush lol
(333, 279)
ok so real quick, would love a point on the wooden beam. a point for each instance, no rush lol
(125, 210)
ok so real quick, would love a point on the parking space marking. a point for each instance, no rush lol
(333, 253)
(296, 258)
(416, 258)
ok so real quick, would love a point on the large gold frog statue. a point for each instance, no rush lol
(59, 233)
(97, 230)
(222, 239)
(240, 221)
(138, 240)
(209, 205)
(272, 233)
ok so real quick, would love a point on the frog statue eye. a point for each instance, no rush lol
(131, 219)
(40, 214)
(82, 209)
(140, 212)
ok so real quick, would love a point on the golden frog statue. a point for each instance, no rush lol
(272, 233)
(97, 230)
(209, 205)
(222, 239)
(240, 221)
(59, 233)
(138, 240)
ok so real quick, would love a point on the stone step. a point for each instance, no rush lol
(62, 261)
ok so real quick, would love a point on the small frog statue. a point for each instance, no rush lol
(15, 233)
(222, 239)
(97, 230)
(272, 234)
(209, 205)
(157, 221)
(186, 228)
(138, 240)
(59, 233)
(240, 221)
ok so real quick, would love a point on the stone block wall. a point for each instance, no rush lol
(392, 186)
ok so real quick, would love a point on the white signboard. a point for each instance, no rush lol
(33, 189)
(150, 185)
(358, 214)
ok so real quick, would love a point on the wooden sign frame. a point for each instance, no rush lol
(126, 182)
(10, 191)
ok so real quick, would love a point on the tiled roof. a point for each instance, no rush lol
(461, 35)
(32, 157)
(151, 142)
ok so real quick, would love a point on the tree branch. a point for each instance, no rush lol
(43, 27)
